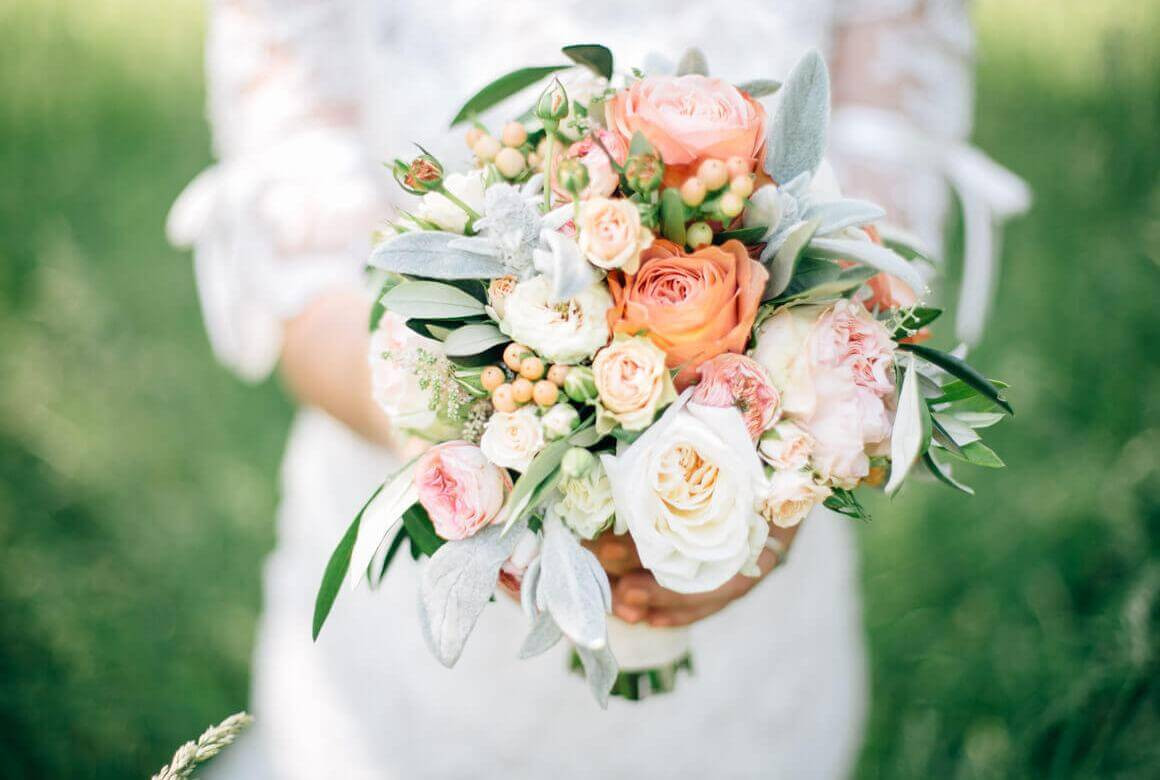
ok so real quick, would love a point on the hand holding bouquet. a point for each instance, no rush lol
(646, 310)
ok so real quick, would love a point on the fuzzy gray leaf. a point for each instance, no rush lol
(573, 586)
(785, 260)
(760, 87)
(796, 140)
(528, 587)
(693, 62)
(601, 669)
(542, 637)
(836, 215)
(873, 255)
(428, 253)
(456, 585)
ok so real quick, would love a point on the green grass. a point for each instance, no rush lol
(1013, 634)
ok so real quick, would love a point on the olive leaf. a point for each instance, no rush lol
(911, 435)
(503, 87)
(593, 56)
(431, 301)
(473, 339)
(871, 254)
(380, 516)
(960, 369)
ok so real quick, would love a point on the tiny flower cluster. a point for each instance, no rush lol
(647, 311)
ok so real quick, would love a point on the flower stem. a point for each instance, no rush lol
(471, 213)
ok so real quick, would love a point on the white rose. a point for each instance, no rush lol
(437, 208)
(688, 491)
(512, 439)
(781, 349)
(559, 421)
(586, 504)
(394, 382)
(786, 447)
(790, 496)
(562, 332)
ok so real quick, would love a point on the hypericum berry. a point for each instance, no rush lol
(713, 173)
(473, 135)
(545, 393)
(514, 354)
(509, 162)
(738, 166)
(522, 390)
(731, 204)
(486, 148)
(699, 234)
(503, 399)
(534, 160)
(531, 368)
(558, 373)
(514, 134)
(491, 377)
(693, 192)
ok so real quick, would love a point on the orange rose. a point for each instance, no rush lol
(693, 306)
(689, 118)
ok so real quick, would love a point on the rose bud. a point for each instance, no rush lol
(580, 385)
(424, 174)
(644, 172)
(553, 103)
(573, 176)
(577, 461)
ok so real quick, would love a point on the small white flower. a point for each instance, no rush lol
(586, 504)
(512, 439)
(567, 331)
(559, 421)
(438, 209)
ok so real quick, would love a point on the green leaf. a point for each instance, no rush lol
(473, 339)
(673, 216)
(693, 62)
(943, 474)
(785, 261)
(541, 469)
(872, 255)
(336, 569)
(758, 88)
(980, 454)
(392, 551)
(940, 435)
(749, 235)
(593, 56)
(420, 530)
(840, 282)
(958, 390)
(845, 502)
(958, 368)
(431, 301)
(914, 320)
(912, 430)
(503, 87)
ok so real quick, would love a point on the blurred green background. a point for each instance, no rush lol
(1013, 634)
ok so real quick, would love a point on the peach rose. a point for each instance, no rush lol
(631, 384)
(689, 118)
(693, 306)
(460, 489)
(736, 380)
(602, 178)
(611, 235)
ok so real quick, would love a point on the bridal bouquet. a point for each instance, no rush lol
(645, 310)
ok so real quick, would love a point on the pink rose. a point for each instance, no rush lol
(847, 336)
(460, 489)
(689, 118)
(736, 380)
(611, 235)
(602, 178)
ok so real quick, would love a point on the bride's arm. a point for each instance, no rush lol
(281, 224)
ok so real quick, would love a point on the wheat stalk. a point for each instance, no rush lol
(209, 744)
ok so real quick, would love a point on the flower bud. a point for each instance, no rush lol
(577, 462)
(580, 385)
(573, 176)
(699, 234)
(644, 172)
(423, 174)
(559, 421)
(553, 103)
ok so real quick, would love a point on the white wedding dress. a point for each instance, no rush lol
(307, 98)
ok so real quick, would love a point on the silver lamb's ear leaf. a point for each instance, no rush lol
(836, 215)
(873, 255)
(601, 669)
(542, 637)
(563, 264)
(785, 260)
(428, 253)
(573, 586)
(796, 140)
(760, 87)
(528, 587)
(456, 585)
(693, 62)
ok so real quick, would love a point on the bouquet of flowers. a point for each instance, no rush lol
(645, 310)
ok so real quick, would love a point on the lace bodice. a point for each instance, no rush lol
(306, 97)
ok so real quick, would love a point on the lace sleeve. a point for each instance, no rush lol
(903, 104)
(286, 212)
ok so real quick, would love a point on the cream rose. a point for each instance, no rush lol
(688, 491)
(781, 349)
(787, 447)
(563, 332)
(632, 383)
(585, 503)
(789, 497)
(611, 235)
(512, 439)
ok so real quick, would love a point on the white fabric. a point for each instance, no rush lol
(306, 98)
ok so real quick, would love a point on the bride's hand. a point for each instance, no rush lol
(636, 595)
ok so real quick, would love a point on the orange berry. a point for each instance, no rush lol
(486, 148)
(737, 166)
(693, 192)
(713, 173)
(514, 354)
(514, 134)
(473, 135)
(531, 368)
(545, 392)
(558, 373)
(503, 399)
(522, 390)
(491, 378)
(510, 162)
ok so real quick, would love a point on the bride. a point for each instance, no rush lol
(306, 98)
